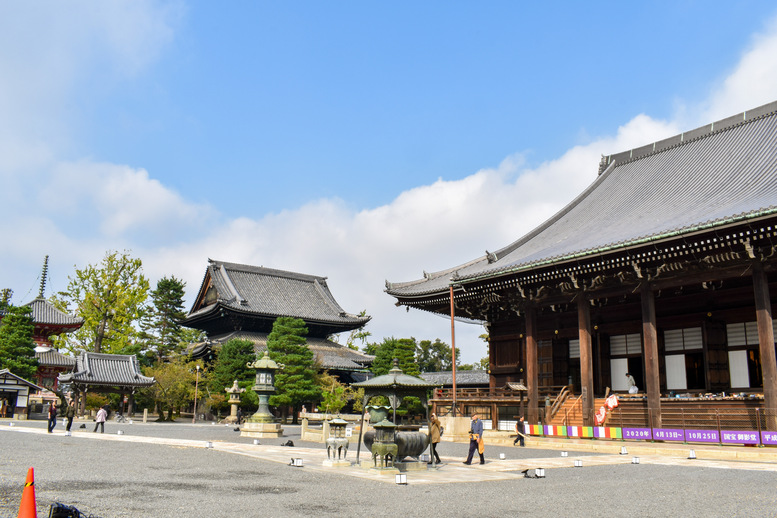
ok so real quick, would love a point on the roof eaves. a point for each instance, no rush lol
(617, 246)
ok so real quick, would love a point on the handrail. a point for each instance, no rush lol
(560, 400)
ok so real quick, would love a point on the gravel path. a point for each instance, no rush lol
(123, 479)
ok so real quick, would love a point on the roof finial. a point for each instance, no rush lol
(43, 277)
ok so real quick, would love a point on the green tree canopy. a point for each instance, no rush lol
(360, 333)
(230, 365)
(166, 313)
(17, 348)
(111, 298)
(295, 383)
(175, 384)
(403, 349)
(384, 356)
(436, 356)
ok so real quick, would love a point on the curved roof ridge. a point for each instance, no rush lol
(275, 272)
(686, 137)
(434, 275)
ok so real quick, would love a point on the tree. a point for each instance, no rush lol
(370, 348)
(335, 395)
(384, 357)
(436, 356)
(111, 299)
(167, 312)
(17, 348)
(358, 334)
(175, 385)
(404, 351)
(295, 383)
(481, 364)
(231, 364)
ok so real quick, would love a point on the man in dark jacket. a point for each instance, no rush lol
(519, 429)
(70, 413)
(53, 410)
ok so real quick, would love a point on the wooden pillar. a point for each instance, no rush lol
(650, 356)
(586, 360)
(531, 365)
(763, 312)
(494, 417)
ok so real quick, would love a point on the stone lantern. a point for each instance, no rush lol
(262, 423)
(234, 399)
(337, 444)
(384, 450)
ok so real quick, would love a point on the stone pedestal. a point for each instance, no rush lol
(411, 466)
(368, 465)
(261, 430)
(337, 463)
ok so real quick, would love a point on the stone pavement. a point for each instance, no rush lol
(589, 452)
(165, 470)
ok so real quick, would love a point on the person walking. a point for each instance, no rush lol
(435, 433)
(52, 416)
(519, 429)
(102, 415)
(476, 440)
(70, 413)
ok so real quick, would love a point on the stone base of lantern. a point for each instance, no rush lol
(369, 466)
(337, 463)
(261, 430)
(380, 471)
(413, 465)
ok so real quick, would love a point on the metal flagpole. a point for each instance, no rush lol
(453, 353)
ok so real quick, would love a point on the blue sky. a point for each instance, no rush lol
(360, 141)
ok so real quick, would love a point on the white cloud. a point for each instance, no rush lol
(55, 50)
(752, 83)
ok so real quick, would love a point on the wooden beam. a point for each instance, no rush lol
(763, 312)
(650, 356)
(586, 360)
(531, 365)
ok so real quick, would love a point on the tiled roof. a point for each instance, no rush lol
(396, 379)
(719, 174)
(275, 293)
(54, 358)
(107, 369)
(463, 378)
(44, 313)
(9, 378)
(331, 355)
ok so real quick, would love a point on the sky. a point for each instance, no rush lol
(360, 141)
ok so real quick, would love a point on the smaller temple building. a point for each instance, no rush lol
(15, 395)
(242, 301)
(106, 373)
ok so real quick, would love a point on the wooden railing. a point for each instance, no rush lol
(551, 412)
(485, 392)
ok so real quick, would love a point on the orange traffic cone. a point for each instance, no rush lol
(27, 508)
